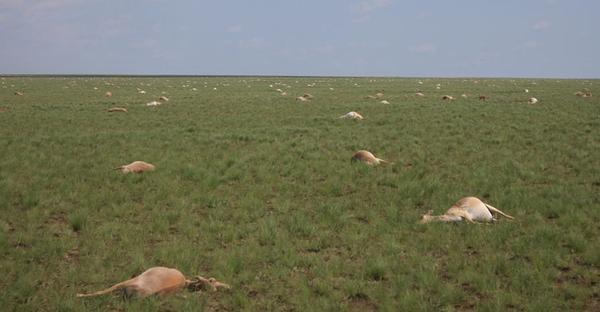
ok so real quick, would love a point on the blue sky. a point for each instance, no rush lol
(461, 38)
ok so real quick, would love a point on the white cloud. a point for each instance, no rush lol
(362, 19)
(234, 28)
(11, 3)
(252, 43)
(527, 46)
(31, 10)
(424, 48)
(541, 25)
(325, 49)
(371, 5)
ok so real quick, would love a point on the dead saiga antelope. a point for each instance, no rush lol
(159, 281)
(352, 115)
(136, 167)
(368, 158)
(471, 209)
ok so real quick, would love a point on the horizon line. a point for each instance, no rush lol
(284, 76)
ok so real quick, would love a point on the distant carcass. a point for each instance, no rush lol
(136, 167)
(352, 115)
(304, 98)
(368, 158)
(584, 94)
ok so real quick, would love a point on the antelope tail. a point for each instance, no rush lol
(383, 161)
(104, 291)
(494, 209)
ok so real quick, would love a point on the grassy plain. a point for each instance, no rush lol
(257, 190)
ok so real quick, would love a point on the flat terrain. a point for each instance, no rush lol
(257, 190)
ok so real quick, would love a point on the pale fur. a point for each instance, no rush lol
(447, 97)
(163, 98)
(159, 281)
(532, 100)
(583, 94)
(305, 97)
(352, 115)
(136, 167)
(117, 109)
(470, 209)
(368, 158)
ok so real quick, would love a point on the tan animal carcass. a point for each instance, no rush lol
(163, 98)
(352, 115)
(583, 94)
(117, 109)
(108, 94)
(471, 209)
(419, 94)
(532, 100)
(447, 97)
(368, 158)
(18, 93)
(304, 98)
(136, 167)
(159, 281)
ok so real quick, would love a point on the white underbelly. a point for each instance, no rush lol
(479, 214)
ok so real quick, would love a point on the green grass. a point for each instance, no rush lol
(258, 190)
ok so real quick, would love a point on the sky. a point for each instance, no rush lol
(412, 38)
